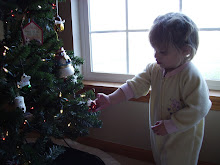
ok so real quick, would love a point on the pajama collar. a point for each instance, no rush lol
(175, 71)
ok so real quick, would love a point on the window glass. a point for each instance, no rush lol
(108, 52)
(140, 52)
(141, 13)
(107, 15)
(205, 13)
(207, 58)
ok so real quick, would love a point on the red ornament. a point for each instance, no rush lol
(53, 6)
(92, 105)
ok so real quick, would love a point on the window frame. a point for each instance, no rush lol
(81, 42)
(85, 49)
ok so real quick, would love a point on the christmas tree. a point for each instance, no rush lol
(40, 84)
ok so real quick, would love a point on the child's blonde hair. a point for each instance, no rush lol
(175, 29)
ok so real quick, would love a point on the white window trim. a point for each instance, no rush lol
(80, 29)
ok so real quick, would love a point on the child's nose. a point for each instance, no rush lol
(156, 55)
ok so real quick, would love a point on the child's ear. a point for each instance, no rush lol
(186, 50)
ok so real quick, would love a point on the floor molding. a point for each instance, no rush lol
(128, 151)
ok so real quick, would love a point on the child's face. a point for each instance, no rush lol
(168, 58)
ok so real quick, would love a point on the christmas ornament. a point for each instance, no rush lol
(53, 6)
(59, 24)
(32, 31)
(64, 63)
(92, 105)
(25, 81)
(19, 103)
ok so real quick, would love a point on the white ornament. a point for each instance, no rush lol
(59, 24)
(60, 21)
(65, 56)
(19, 103)
(25, 80)
(66, 71)
(65, 65)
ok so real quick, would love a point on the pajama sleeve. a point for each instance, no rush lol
(127, 91)
(170, 126)
(140, 84)
(195, 96)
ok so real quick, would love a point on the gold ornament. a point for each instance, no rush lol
(59, 24)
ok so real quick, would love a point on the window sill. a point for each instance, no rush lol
(109, 87)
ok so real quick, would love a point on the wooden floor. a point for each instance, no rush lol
(129, 161)
(123, 160)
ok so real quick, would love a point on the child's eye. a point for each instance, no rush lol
(162, 52)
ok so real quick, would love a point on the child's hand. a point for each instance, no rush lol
(102, 101)
(159, 128)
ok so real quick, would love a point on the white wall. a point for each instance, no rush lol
(127, 124)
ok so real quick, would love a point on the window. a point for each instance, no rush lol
(114, 36)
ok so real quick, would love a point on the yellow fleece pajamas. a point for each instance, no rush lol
(181, 96)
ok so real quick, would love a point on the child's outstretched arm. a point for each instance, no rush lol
(121, 94)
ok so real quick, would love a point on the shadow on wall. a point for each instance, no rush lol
(127, 124)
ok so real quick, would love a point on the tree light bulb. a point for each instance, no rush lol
(61, 111)
(53, 6)
(6, 70)
(25, 121)
(6, 47)
(82, 95)
(69, 124)
(60, 94)
(3, 137)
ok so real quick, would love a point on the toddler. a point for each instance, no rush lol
(179, 98)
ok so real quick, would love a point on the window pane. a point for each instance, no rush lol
(207, 58)
(140, 52)
(107, 15)
(109, 52)
(141, 13)
(204, 13)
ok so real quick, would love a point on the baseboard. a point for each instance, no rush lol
(128, 151)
